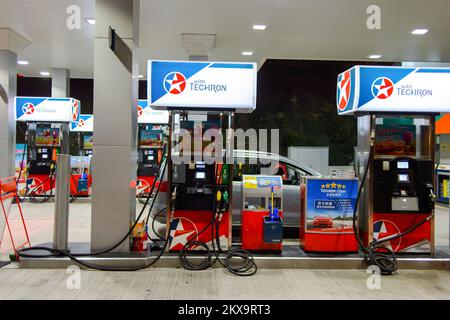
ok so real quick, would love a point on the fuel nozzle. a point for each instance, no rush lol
(431, 194)
(174, 194)
(225, 196)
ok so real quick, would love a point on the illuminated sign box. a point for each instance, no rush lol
(47, 109)
(147, 115)
(363, 89)
(85, 123)
(184, 85)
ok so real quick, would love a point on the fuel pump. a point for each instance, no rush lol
(395, 109)
(151, 148)
(152, 145)
(199, 189)
(47, 134)
(82, 152)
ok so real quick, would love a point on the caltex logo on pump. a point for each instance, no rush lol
(74, 110)
(28, 108)
(175, 83)
(383, 229)
(382, 88)
(344, 86)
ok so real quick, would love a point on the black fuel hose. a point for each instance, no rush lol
(246, 267)
(377, 254)
(183, 256)
(74, 257)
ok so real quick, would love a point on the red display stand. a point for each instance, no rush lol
(323, 225)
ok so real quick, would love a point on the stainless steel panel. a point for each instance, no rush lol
(115, 113)
(62, 196)
(261, 262)
(113, 199)
(405, 204)
(114, 163)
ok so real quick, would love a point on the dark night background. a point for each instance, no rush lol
(298, 97)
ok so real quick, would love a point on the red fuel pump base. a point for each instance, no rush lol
(417, 241)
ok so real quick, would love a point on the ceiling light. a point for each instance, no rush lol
(140, 76)
(45, 73)
(247, 53)
(23, 62)
(90, 20)
(419, 31)
(259, 27)
(374, 56)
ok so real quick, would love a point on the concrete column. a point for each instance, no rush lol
(8, 83)
(115, 127)
(10, 44)
(60, 83)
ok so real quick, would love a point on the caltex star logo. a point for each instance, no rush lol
(140, 111)
(81, 123)
(382, 88)
(383, 229)
(142, 185)
(74, 110)
(344, 86)
(28, 108)
(184, 231)
(175, 83)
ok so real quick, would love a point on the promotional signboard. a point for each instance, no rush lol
(47, 109)
(255, 182)
(195, 85)
(147, 115)
(85, 123)
(364, 89)
(329, 213)
(395, 140)
(21, 159)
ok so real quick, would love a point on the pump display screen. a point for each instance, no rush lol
(200, 175)
(88, 141)
(395, 139)
(403, 178)
(46, 136)
(150, 138)
(403, 165)
(200, 170)
(45, 156)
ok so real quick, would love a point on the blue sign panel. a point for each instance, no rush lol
(363, 89)
(330, 204)
(202, 85)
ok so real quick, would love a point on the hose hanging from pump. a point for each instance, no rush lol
(246, 268)
(75, 257)
(377, 254)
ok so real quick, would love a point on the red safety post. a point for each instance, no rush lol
(8, 190)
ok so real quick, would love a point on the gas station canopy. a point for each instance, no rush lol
(222, 30)
(363, 89)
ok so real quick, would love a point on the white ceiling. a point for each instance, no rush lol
(297, 29)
